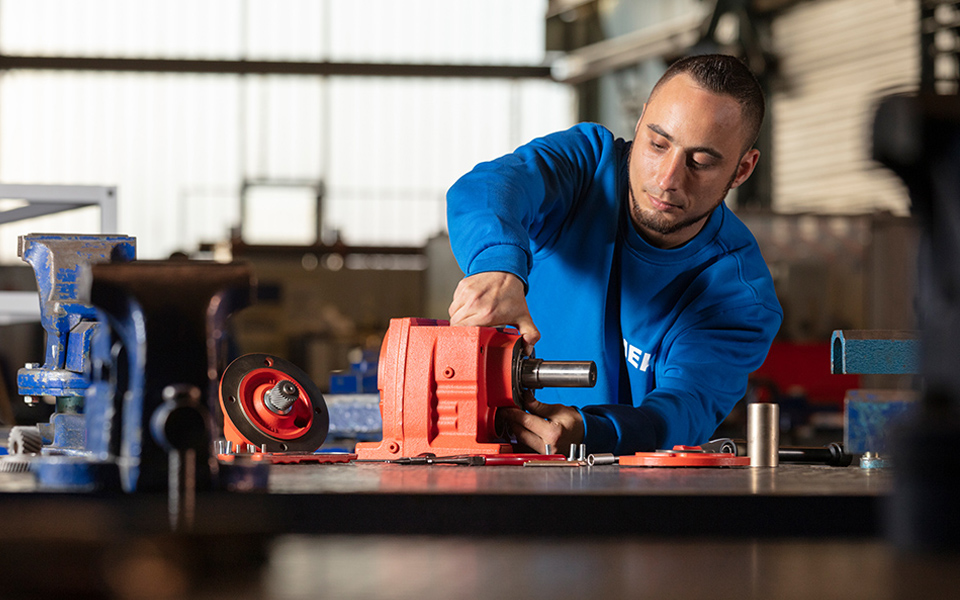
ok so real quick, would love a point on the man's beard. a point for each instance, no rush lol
(654, 221)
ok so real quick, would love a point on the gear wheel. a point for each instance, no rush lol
(24, 440)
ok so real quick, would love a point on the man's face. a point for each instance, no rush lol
(687, 154)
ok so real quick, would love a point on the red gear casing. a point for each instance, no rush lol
(440, 388)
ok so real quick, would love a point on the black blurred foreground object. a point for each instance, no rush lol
(918, 137)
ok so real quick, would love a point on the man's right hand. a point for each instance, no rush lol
(492, 299)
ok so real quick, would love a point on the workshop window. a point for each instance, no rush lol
(182, 147)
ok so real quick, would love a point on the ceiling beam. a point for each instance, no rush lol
(262, 67)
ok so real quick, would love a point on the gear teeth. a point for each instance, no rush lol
(9, 464)
(24, 440)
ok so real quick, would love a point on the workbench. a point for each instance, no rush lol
(380, 498)
(376, 530)
(609, 499)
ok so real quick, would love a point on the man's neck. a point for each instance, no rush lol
(669, 241)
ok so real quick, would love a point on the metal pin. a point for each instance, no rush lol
(229, 447)
(573, 453)
(582, 452)
(263, 448)
(548, 448)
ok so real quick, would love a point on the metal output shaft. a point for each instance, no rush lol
(536, 373)
(280, 398)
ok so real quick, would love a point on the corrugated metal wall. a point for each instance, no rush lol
(838, 58)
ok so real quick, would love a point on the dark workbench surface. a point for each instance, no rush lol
(381, 478)
(788, 500)
(378, 498)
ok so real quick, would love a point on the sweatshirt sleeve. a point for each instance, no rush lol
(498, 213)
(702, 377)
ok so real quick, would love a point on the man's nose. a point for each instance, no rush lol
(670, 172)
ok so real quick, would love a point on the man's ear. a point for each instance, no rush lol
(747, 164)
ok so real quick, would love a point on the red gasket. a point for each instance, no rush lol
(684, 459)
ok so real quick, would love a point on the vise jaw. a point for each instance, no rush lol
(59, 262)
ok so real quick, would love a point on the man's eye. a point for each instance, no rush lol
(695, 165)
(656, 145)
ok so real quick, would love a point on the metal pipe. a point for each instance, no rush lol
(601, 459)
(536, 373)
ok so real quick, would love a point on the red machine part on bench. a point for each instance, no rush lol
(440, 387)
(271, 405)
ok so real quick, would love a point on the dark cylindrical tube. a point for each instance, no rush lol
(831, 454)
(763, 434)
(536, 373)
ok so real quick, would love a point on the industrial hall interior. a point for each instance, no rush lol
(410, 299)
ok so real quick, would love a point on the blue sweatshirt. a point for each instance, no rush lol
(674, 333)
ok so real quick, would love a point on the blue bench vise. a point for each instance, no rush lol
(60, 262)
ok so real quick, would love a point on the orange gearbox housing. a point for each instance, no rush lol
(440, 387)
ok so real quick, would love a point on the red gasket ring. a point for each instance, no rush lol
(684, 459)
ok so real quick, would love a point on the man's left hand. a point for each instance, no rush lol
(542, 424)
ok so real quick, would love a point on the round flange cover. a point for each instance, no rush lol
(242, 388)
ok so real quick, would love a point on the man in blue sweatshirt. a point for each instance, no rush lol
(625, 254)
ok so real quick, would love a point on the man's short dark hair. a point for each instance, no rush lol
(726, 75)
